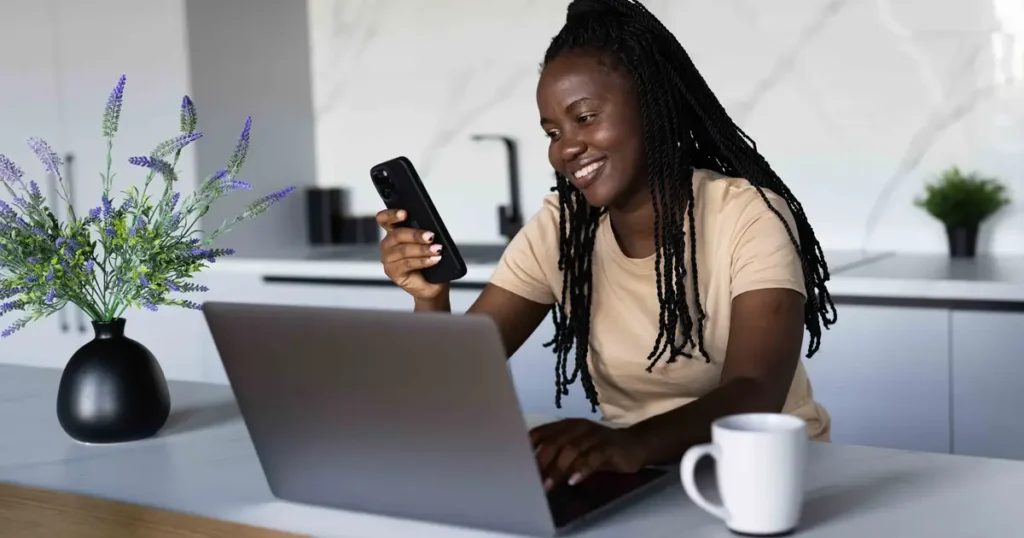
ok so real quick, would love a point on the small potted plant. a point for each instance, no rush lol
(962, 202)
(139, 251)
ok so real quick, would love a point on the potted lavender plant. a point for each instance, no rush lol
(137, 251)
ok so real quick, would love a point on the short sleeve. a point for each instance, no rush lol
(529, 265)
(763, 255)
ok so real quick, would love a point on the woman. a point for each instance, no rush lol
(668, 238)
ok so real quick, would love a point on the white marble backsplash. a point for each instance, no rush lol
(855, 103)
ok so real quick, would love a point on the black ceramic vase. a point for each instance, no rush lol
(963, 241)
(112, 390)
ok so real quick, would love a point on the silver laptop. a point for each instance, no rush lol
(395, 413)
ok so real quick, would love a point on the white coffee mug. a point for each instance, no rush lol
(759, 467)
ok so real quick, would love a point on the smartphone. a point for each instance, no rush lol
(400, 187)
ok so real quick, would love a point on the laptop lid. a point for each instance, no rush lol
(404, 414)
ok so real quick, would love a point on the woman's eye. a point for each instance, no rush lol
(584, 118)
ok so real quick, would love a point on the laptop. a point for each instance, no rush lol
(401, 414)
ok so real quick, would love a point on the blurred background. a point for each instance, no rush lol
(857, 104)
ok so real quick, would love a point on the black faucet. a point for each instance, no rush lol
(510, 217)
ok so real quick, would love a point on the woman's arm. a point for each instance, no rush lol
(516, 316)
(765, 338)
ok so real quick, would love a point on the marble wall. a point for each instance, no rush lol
(856, 103)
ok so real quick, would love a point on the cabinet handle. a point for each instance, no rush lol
(69, 173)
(81, 321)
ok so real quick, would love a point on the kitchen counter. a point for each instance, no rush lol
(203, 463)
(856, 276)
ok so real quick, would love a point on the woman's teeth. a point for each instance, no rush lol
(588, 169)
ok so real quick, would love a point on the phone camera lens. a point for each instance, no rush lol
(385, 192)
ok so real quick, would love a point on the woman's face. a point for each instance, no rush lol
(591, 115)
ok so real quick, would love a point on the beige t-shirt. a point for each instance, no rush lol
(741, 246)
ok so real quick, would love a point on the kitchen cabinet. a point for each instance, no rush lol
(57, 89)
(532, 367)
(883, 374)
(988, 377)
(27, 108)
(97, 42)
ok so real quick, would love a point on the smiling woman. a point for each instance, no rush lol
(669, 236)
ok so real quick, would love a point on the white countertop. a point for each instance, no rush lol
(853, 273)
(203, 463)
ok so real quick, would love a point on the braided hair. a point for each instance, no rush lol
(684, 127)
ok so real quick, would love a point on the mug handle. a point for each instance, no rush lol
(687, 470)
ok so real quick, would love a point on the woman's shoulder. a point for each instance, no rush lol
(734, 199)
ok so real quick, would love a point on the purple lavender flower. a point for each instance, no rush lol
(20, 202)
(94, 213)
(108, 207)
(126, 204)
(49, 275)
(172, 286)
(73, 243)
(6, 212)
(173, 145)
(10, 305)
(33, 259)
(11, 292)
(174, 199)
(163, 167)
(241, 149)
(22, 222)
(112, 113)
(69, 252)
(38, 231)
(215, 177)
(50, 295)
(264, 203)
(150, 306)
(109, 231)
(175, 220)
(60, 242)
(189, 118)
(33, 188)
(46, 155)
(143, 281)
(9, 172)
(15, 327)
(89, 266)
(194, 241)
(31, 279)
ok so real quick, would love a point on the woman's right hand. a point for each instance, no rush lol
(404, 251)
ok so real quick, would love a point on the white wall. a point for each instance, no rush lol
(856, 103)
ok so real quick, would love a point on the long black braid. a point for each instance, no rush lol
(685, 127)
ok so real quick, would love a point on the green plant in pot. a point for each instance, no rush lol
(962, 201)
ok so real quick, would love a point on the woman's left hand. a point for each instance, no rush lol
(572, 449)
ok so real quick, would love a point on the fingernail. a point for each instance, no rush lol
(575, 479)
(429, 236)
(548, 484)
(435, 248)
(435, 259)
(401, 215)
